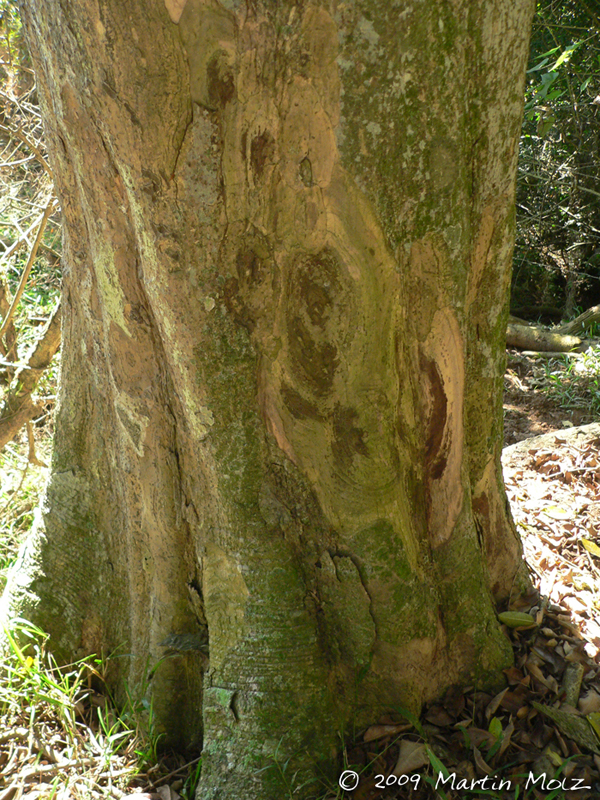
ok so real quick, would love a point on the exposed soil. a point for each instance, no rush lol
(529, 408)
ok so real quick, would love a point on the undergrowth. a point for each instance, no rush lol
(61, 735)
(573, 381)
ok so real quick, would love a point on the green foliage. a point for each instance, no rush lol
(31, 683)
(13, 51)
(574, 382)
(40, 700)
(557, 254)
(188, 791)
(25, 188)
(21, 483)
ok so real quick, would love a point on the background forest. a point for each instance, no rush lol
(557, 255)
(89, 747)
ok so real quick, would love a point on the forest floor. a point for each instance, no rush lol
(553, 485)
(542, 395)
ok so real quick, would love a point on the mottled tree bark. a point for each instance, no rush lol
(288, 234)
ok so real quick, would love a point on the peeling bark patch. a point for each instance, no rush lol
(443, 161)
(262, 151)
(208, 34)
(297, 405)
(249, 267)
(314, 363)
(220, 81)
(151, 185)
(481, 506)
(175, 9)
(305, 172)
(254, 289)
(236, 306)
(225, 597)
(479, 532)
(318, 305)
(435, 456)
(349, 626)
(92, 633)
(317, 285)
(272, 510)
(443, 366)
(348, 438)
(132, 429)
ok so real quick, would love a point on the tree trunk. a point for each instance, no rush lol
(288, 236)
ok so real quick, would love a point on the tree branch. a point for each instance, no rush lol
(32, 254)
(18, 407)
(26, 141)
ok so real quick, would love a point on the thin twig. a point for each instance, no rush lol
(18, 134)
(49, 209)
(164, 778)
(23, 238)
(33, 459)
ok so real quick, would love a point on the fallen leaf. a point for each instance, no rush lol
(413, 756)
(493, 706)
(482, 766)
(438, 716)
(516, 619)
(379, 731)
(576, 728)
(591, 547)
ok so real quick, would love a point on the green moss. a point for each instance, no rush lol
(388, 572)
(226, 365)
(468, 609)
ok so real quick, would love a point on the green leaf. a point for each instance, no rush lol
(539, 66)
(565, 56)
(516, 619)
(495, 727)
(436, 763)
(594, 720)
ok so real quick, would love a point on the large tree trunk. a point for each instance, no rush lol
(288, 235)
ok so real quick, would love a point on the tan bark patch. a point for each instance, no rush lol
(225, 596)
(208, 30)
(175, 9)
(442, 359)
(480, 252)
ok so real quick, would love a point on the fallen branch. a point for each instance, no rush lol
(9, 346)
(558, 353)
(19, 242)
(526, 336)
(532, 338)
(582, 323)
(37, 153)
(581, 434)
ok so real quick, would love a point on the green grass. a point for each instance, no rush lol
(61, 721)
(573, 382)
(50, 721)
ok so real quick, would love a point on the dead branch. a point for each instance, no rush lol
(32, 254)
(20, 241)
(582, 323)
(18, 407)
(18, 134)
(528, 337)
